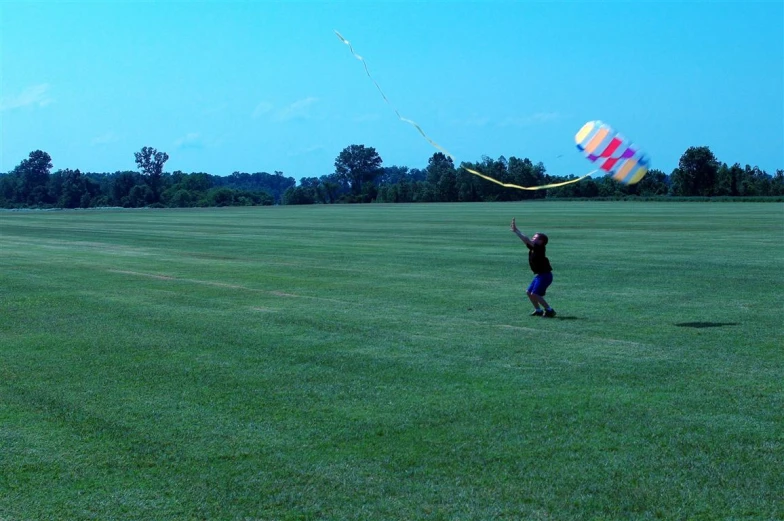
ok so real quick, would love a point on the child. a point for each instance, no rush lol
(540, 265)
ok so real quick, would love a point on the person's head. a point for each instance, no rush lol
(540, 238)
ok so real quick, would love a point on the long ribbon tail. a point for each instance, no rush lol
(401, 118)
(439, 147)
(542, 187)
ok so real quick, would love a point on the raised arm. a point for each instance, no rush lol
(520, 234)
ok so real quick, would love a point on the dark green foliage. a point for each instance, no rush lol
(151, 162)
(273, 184)
(357, 165)
(71, 189)
(360, 177)
(26, 185)
(696, 173)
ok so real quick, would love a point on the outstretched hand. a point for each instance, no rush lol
(513, 226)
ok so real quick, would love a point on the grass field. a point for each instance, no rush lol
(378, 362)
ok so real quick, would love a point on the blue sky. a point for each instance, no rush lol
(263, 86)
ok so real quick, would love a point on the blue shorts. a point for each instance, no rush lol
(540, 284)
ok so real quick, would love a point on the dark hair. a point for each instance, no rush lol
(544, 238)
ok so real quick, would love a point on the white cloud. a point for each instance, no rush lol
(261, 109)
(308, 150)
(35, 95)
(476, 121)
(539, 117)
(300, 109)
(109, 137)
(297, 110)
(215, 109)
(190, 140)
(365, 118)
(544, 117)
(511, 121)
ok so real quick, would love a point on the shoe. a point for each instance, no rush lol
(550, 313)
(538, 313)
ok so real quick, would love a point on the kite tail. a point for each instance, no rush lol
(439, 147)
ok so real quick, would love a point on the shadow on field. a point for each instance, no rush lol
(700, 325)
(559, 317)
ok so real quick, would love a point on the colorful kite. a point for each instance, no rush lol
(612, 152)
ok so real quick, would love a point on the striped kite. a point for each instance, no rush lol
(612, 152)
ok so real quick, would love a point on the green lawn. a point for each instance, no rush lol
(378, 362)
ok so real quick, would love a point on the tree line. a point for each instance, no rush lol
(32, 185)
(360, 177)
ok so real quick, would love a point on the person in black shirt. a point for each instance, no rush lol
(543, 271)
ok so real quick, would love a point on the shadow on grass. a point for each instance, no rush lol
(700, 325)
(559, 317)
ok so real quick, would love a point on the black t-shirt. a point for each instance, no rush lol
(537, 259)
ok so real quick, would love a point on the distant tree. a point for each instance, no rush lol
(696, 174)
(299, 195)
(140, 195)
(331, 187)
(755, 182)
(588, 188)
(655, 182)
(221, 197)
(7, 186)
(182, 199)
(523, 172)
(391, 175)
(416, 174)
(102, 183)
(438, 164)
(72, 189)
(469, 187)
(121, 187)
(607, 186)
(404, 192)
(442, 178)
(310, 188)
(198, 182)
(356, 165)
(725, 184)
(777, 183)
(151, 162)
(446, 189)
(498, 169)
(278, 183)
(30, 179)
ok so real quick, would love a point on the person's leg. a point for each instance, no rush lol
(541, 301)
(538, 311)
(543, 282)
(534, 298)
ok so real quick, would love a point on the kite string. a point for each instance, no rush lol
(406, 120)
(439, 147)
